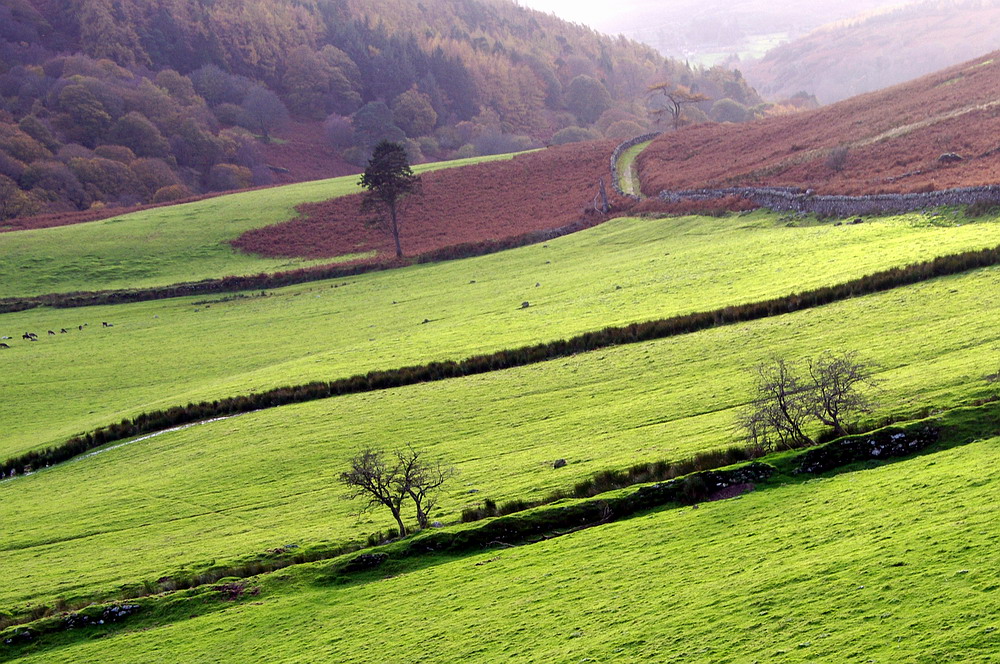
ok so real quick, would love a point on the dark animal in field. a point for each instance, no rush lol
(62, 330)
(52, 333)
(3, 345)
(27, 336)
(103, 324)
(80, 327)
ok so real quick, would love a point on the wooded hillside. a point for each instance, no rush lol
(109, 103)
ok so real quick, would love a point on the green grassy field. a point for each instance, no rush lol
(892, 564)
(227, 489)
(170, 352)
(164, 245)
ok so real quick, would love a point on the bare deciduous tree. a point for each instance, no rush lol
(836, 380)
(785, 399)
(779, 410)
(390, 482)
(421, 479)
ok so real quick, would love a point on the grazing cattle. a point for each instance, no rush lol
(27, 336)
(62, 330)
(80, 327)
(103, 324)
(5, 338)
(52, 333)
(3, 345)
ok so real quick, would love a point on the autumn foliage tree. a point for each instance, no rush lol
(670, 99)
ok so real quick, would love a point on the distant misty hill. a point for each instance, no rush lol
(866, 54)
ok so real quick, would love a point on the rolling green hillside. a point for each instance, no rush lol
(219, 491)
(164, 245)
(891, 564)
(170, 352)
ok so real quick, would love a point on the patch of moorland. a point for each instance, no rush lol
(166, 245)
(171, 352)
(887, 562)
(219, 492)
(535, 191)
(891, 141)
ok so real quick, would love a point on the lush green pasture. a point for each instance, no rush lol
(222, 490)
(892, 564)
(171, 352)
(164, 245)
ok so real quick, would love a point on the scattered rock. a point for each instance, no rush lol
(426, 320)
(950, 158)
(525, 304)
(537, 284)
(858, 220)
(559, 463)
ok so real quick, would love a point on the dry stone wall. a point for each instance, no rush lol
(794, 199)
(798, 200)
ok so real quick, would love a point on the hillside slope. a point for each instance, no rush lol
(889, 141)
(877, 51)
(117, 103)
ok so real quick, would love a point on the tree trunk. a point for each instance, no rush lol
(395, 230)
(399, 521)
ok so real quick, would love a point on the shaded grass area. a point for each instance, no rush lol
(160, 354)
(801, 570)
(236, 488)
(164, 245)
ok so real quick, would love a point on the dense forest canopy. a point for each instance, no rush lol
(132, 101)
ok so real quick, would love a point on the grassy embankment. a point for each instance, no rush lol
(165, 245)
(220, 491)
(165, 353)
(888, 564)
